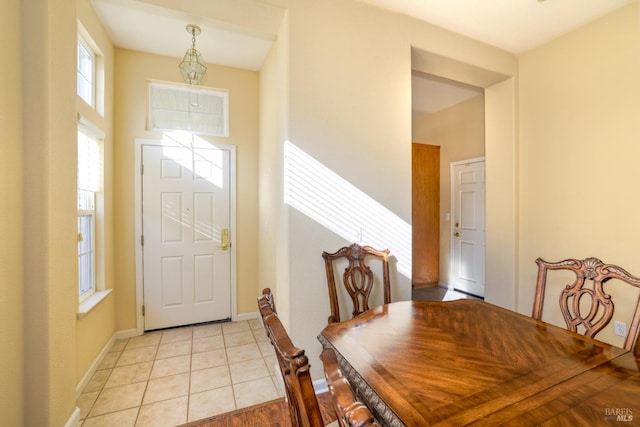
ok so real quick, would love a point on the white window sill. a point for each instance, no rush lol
(88, 304)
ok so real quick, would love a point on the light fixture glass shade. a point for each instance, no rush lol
(192, 67)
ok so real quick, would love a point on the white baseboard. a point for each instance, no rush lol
(444, 285)
(96, 363)
(320, 386)
(74, 420)
(94, 366)
(246, 316)
(128, 333)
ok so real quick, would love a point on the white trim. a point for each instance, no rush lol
(247, 316)
(91, 301)
(139, 142)
(127, 333)
(94, 366)
(445, 285)
(320, 386)
(91, 127)
(74, 419)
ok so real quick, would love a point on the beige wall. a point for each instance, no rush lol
(133, 70)
(11, 220)
(350, 110)
(97, 327)
(579, 133)
(341, 93)
(459, 131)
(50, 263)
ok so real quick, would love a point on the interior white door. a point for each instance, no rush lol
(468, 226)
(185, 223)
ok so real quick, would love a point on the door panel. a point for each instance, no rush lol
(186, 205)
(468, 233)
(425, 214)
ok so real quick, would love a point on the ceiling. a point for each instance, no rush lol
(513, 25)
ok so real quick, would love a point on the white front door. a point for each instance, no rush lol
(185, 227)
(467, 231)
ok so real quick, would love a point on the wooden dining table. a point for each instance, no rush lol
(468, 362)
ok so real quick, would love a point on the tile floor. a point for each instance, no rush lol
(438, 293)
(170, 377)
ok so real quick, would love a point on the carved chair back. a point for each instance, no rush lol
(294, 367)
(357, 279)
(350, 411)
(590, 275)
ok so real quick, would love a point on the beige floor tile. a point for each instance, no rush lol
(208, 359)
(214, 342)
(248, 370)
(266, 348)
(211, 402)
(256, 324)
(119, 345)
(85, 402)
(118, 398)
(145, 340)
(207, 330)
(110, 360)
(254, 392)
(210, 378)
(137, 355)
(235, 327)
(126, 418)
(272, 364)
(171, 366)
(168, 413)
(167, 388)
(175, 335)
(243, 352)
(260, 335)
(129, 374)
(158, 370)
(279, 385)
(241, 338)
(174, 349)
(98, 380)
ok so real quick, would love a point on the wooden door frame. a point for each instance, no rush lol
(139, 142)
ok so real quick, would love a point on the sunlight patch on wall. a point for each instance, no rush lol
(330, 200)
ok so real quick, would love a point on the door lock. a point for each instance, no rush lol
(224, 239)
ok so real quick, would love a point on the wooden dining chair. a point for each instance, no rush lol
(266, 300)
(350, 411)
(304, 408)
(590, 276)
(357, 279)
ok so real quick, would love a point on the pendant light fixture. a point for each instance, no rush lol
(192, 66)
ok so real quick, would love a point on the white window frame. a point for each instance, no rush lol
(91, 252)
(92, 186)
(90, 79)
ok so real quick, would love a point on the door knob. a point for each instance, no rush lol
(456, 234)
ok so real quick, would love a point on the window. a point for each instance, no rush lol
(89, 179)
(86, 72)
(199, 110)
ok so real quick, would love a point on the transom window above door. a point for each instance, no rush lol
(199, 110)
